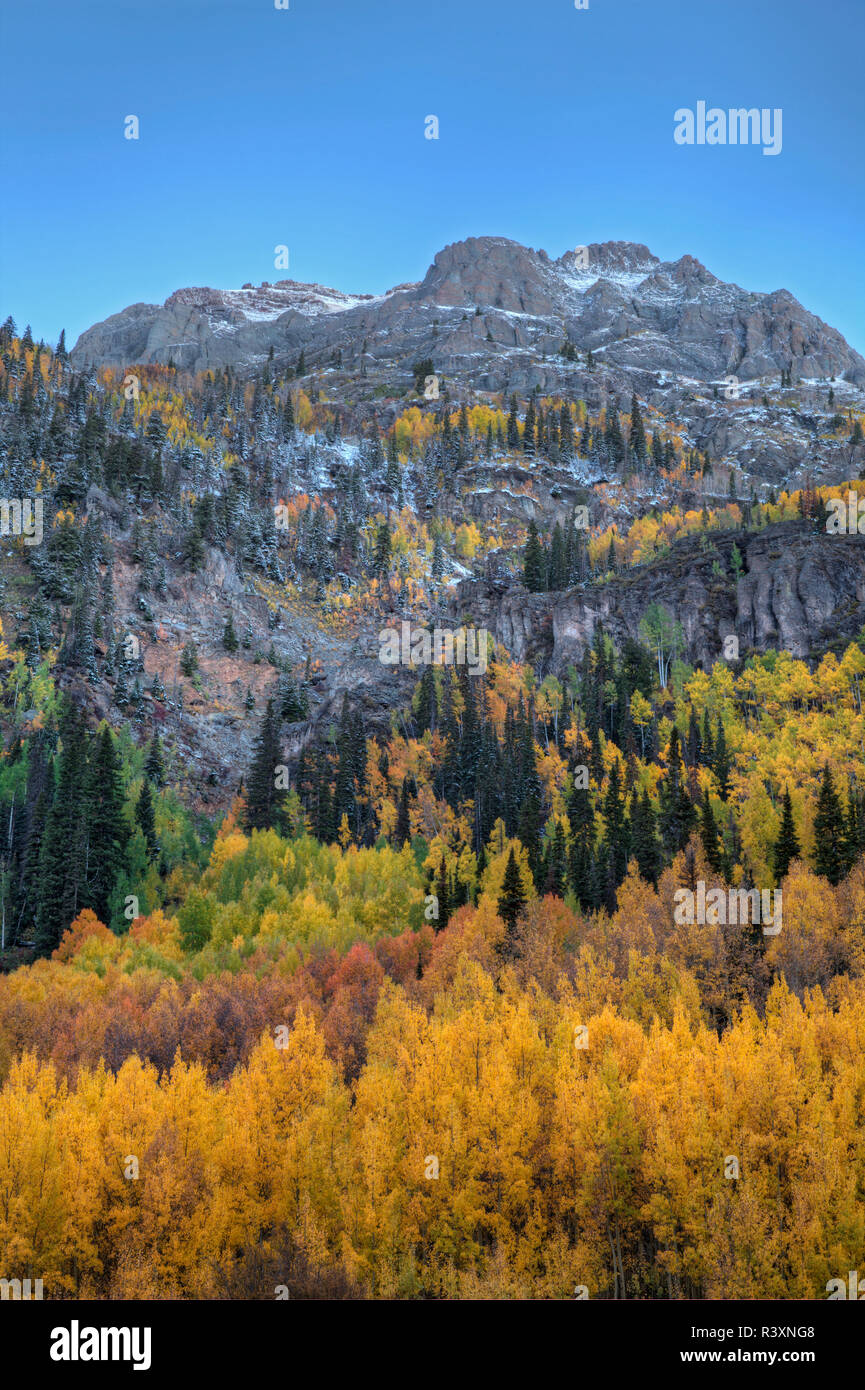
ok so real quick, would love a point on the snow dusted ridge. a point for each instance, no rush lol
(268, 301)
(493, 315)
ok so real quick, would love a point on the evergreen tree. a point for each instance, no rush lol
(557, 578)
(61, 859)
(121, 689)
(264, 799)
(189, 660)
(193, 550)
(617, 834)
(721, 762)
(709, 835)
(534, 576)
(787, 845)
(512, 900)
(146, 819)
(40, 797)
(426, 707)
(637, 436)
(530, 816)
(229, 637)
(294, 704)
(529, 428)
(106, 829)
(443, 895)
(437, 560)
(557, 863)
(382, 552)
(154, 767)
(829, 831)
(647, 850)
(707, 751)
(677, 811)
(402, 832)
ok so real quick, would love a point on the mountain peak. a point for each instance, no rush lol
(628, 256)
(493, 314)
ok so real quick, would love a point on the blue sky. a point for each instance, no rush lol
(305, 127)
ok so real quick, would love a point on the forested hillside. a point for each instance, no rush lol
(369, 981)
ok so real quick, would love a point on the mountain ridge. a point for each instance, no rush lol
(601, 298)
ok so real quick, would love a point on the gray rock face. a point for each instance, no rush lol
(802, 591)
(635, 313)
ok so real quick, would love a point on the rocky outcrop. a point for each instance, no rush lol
(800, 590)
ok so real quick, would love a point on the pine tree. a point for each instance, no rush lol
(40, 796)
(707, 752)
(530, 815)
(121, 689)
(264, 799)
(854, 828)
(677, 811)
(512, 901)
(145, 818)
(721, 762)
(709, 835)
(189, 660)
(647, 850)
(558, 569)
(437, 560)
(529, 428)
(617, 835)
(106, 828)
(787, 845)
(61, 858)
(637, 436)
(829, 831)
(566, 431)
(193, 550)
(534, 576)
(443, 896)
(402, 832)
(293, 702)
(154, 767)
(229, 637)
(557, 863)
(382, 552)
(324, 821)
(345, 790)
(426, 707)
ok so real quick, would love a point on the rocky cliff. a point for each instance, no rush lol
(800, 590)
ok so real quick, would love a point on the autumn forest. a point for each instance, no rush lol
(318, 984)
